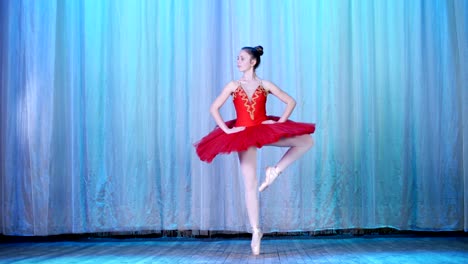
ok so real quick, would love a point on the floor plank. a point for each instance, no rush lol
(370, 249)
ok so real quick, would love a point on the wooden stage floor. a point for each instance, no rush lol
(335, 249)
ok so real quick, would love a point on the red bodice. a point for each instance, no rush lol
(250, 111)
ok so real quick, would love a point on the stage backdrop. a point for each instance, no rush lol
(101, 102)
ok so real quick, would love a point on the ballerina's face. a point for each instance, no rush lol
(244, 61)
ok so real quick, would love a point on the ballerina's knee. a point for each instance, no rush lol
(308, 141)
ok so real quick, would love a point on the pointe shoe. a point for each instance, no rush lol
(256, 239)
(271, 174)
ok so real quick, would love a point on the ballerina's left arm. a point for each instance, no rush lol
(284, 97)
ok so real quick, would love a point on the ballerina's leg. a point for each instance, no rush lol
(248, 164)
(299, 145)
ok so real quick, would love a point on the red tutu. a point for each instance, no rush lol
(217, 141)
(250, 112)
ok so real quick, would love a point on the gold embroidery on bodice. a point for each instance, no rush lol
(249, 103)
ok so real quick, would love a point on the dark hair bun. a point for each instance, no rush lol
(259, 50)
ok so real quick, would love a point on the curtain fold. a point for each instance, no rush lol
(101, 102)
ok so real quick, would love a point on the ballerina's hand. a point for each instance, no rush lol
(267, 122)
(234, 130)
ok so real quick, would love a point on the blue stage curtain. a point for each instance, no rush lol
(101, 102)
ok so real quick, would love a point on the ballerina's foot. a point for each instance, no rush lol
(256, 239)
(271, 174)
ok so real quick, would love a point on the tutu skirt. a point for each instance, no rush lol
(218, 142)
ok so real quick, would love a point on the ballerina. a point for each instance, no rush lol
(252, 129)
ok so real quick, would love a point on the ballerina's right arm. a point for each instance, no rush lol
(216, 105)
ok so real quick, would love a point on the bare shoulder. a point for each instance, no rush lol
(269, 86)
(231, 86)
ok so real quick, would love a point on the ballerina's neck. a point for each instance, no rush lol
(249, 76)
